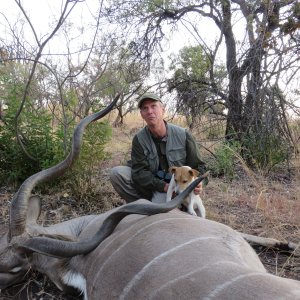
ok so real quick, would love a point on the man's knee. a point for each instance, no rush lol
(120, 172)
(120, 176)
(113, 174)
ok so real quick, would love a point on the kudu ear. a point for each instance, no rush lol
(34, 209)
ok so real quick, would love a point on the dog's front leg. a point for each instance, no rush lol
(171, 189)
(201, 208)
(191, 202)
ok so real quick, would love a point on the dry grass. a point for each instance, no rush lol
(250, 203)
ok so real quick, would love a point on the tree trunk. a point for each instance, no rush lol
(234, 100)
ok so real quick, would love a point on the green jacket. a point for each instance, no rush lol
(180, 150)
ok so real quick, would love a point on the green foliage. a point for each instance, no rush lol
(225, 160)
(47, 146)
(152, 6)
(36, 135)
(41, 141)
(264, 151)
(192, 61)
(192, 82)
(79, 179)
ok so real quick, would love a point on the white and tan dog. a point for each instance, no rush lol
(181, 178)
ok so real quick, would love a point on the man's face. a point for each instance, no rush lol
(152, 112)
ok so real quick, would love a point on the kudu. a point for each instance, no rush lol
(165, 255)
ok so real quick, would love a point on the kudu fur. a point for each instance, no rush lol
(165, 255)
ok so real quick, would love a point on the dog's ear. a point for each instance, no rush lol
(195, 173)
(172, 169)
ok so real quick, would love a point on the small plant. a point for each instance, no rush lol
(225, 160)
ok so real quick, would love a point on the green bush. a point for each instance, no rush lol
(225, 160)
(36, 135)
(42, 142)
(264, 151)
(79, 178)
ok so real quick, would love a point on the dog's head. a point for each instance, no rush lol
(183, 176)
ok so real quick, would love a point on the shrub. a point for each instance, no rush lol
(37, 137)
(265, 151)
(79, 179)
(44, 144)
(225, 159)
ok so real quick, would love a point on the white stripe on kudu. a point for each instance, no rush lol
(146, 268)
(227, 284)
(127, 241)
(197, 270)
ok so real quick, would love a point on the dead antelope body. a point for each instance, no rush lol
(123, 254)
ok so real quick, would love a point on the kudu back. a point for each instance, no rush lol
(140, 250)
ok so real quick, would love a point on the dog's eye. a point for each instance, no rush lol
(185, 181)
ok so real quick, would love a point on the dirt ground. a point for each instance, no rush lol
(263, 206)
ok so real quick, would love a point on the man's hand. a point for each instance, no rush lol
(166, 187)
(198, 189)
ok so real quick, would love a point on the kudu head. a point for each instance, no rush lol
(25, 209)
